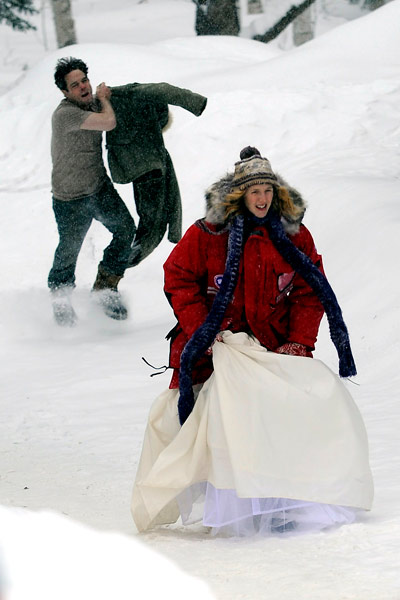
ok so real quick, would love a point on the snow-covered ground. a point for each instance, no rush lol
(74, 403)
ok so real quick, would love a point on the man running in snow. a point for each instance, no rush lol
(82, 191)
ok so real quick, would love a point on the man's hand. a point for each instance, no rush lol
(103, 91)
(105, 119)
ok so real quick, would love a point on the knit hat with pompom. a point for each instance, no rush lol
(252, 169)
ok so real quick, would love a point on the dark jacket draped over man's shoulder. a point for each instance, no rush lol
(137, 154)
(136, 145)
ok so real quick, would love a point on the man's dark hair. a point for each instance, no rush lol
(65, 66)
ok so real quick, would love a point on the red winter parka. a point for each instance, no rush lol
(270, 300)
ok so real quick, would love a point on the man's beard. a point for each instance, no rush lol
(92, 106)
(86, 105)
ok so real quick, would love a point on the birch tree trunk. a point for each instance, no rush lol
(254, 7)
(303, 29)
(64, 23)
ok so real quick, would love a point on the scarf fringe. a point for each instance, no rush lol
(347, 366)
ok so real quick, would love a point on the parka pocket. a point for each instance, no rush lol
(284, 284)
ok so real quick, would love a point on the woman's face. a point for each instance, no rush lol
(258, 199)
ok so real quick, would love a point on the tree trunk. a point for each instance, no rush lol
(303, 30)
(64, 23)
(290, 16)
(217, 17)
(254, 7)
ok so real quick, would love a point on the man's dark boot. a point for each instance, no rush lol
(109, 298)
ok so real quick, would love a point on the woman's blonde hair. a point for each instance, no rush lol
(282, 203)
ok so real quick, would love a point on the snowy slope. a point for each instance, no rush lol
(74, 403)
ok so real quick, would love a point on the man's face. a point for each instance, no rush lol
(78, 89)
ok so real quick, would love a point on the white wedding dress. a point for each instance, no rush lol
(275, 443)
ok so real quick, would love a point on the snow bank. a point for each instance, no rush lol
(45, 555)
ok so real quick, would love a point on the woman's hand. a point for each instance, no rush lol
(218, 338)
(294, 349)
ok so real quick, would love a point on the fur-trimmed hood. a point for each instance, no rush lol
(216, 193)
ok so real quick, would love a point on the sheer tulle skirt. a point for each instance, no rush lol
(227, 514)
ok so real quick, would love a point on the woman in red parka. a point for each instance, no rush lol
(271, 300)
(273, 441)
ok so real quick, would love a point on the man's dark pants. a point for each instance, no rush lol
(74, 218)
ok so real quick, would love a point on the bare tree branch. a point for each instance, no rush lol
(290, 16)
